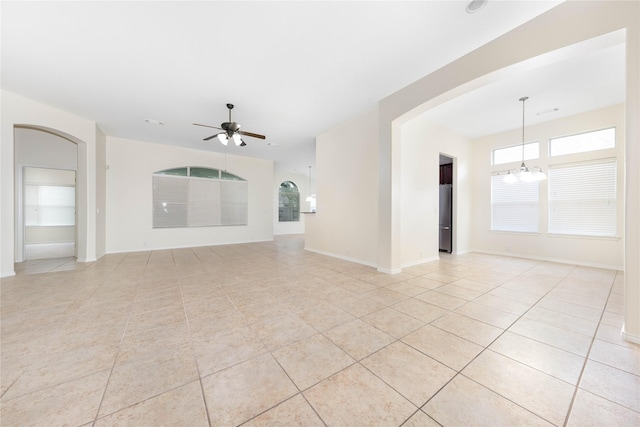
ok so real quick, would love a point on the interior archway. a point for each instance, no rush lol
(81, 184)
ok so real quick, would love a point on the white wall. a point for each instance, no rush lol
(101, 193)
(601, 252)
(22, 112)
(422, 143)
(302, 181)
(345, 225)
(129, 197)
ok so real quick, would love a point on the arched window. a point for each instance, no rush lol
(289, 202)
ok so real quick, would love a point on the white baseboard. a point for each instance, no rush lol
(35, 251)
(550, 259)
(164, 248)
(344, 258)
(420, 261)
(462, 252)
(392, 271)
(8, 273)
(630, 337)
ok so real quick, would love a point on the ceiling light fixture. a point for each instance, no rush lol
(237, 139)
(230, 130)
(223, 138)
(309, 198)
(476, 5)
(524, 174)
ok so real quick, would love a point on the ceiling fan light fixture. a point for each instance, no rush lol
(223, 138)
(230, 130)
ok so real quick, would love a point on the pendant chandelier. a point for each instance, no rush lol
(523, 173)
(311, 196)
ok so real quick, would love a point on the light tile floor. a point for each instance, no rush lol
(268, 334)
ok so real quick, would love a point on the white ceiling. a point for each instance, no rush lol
(571, 84)
(292, 69)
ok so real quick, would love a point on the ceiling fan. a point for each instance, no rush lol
(230, 131)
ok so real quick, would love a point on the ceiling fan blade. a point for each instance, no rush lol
(254, 135)
(212, 136)
(207, 126)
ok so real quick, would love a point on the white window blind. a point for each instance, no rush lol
(233, 202)
(170, 201)
(180, 201)
(582, 198)
(514, 206)
(50, 205)
(204, 202)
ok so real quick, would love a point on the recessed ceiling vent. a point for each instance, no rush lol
(154, 122)
(476, 5)
(547, 111)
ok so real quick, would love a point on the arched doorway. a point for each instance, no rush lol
(46, 159)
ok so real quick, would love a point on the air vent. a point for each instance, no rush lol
(154, 122)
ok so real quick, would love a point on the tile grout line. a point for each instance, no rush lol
(115, 359)
(487, 348)
(316, 264)
(195, 358)
(586, 358)
(270, 352)
(122, 338)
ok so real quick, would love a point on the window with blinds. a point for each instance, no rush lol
(170, 201)
(582, 198)
(50, 205)
(199, 197)
(514, 207)
(233, 202)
